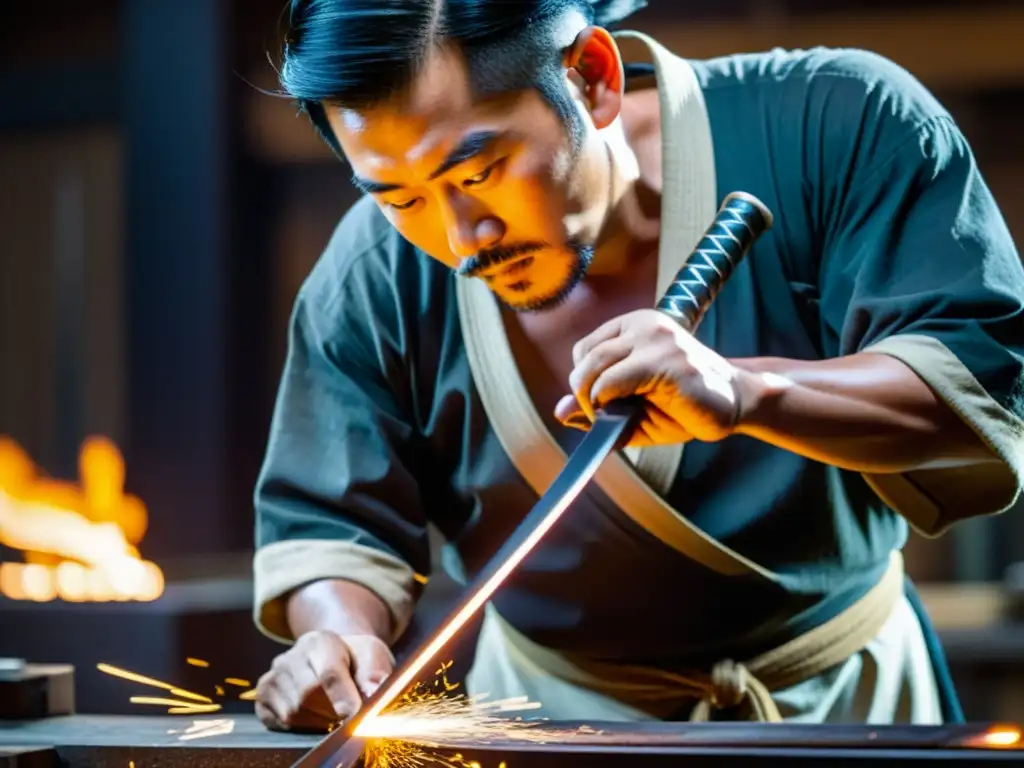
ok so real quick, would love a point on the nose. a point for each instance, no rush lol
(471, 226)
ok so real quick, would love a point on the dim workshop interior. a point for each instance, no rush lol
(159, 212)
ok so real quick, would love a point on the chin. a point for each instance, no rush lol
(551, 295)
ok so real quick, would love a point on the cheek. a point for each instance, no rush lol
(532, 198)
(426, 232)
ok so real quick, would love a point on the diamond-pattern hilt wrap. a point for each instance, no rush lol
(739, 222)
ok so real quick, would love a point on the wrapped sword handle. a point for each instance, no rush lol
(740, 221)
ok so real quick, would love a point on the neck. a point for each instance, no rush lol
(631, 222)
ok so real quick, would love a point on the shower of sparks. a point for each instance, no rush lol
(184, 702)
(205, 703)
(414, 732)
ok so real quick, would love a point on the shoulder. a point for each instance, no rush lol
(366, 265)
(848, 87)
(361, 241)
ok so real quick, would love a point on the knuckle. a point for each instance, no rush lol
(330, 678)
(266, 717)
(308, 640)
(264, 685)
(577, 351)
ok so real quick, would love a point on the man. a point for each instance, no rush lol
(862, 370)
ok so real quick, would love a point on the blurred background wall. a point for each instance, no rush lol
(158, 212)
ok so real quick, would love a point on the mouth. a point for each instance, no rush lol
(509, 269)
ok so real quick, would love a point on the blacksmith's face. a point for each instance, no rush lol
(490, 186)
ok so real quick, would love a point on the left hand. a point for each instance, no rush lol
(691, 392)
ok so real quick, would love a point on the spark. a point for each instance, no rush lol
(162, 702)
(142, 679)
(202, 729)
(249, 695)
(189, 695)
(197, 662)
(238, 682)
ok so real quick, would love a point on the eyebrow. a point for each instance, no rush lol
(471, 145)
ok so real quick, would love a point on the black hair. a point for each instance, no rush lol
(356, 53)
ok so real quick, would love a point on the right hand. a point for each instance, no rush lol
(321, 680)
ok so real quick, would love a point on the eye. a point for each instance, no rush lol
(481, 177)
(403, 206)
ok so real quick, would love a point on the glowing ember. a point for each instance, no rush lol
(997, 737)
(79, 543)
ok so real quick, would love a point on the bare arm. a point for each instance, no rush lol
(342, 607)
(865, 412)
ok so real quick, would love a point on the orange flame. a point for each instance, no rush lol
(79, 542)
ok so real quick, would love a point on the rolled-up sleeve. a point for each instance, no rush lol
(336, 497)
(922, 267)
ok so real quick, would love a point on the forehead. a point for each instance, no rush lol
(436, 110)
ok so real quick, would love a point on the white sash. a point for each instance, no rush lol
(634, 482)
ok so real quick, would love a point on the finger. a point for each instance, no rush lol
(331, 663)
(267, 704)
(604, 332)
(372, 663)
(660, 425)
(657, 428)
(314, 704)
(633, 375)
(596, 362)
(268, 717)
(569, 413)
(300, 722)
(283, 694)
(276, 705)
(647, 430)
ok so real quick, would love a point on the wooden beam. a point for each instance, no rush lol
(947, 49)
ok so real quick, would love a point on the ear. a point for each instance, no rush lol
(595, 61)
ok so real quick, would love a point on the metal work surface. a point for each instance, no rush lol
(155, 742)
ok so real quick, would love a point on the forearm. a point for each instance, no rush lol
(343, 607)
(865, 412)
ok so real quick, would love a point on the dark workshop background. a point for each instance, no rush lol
(157, 214)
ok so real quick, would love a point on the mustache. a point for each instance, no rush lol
(492, 257)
